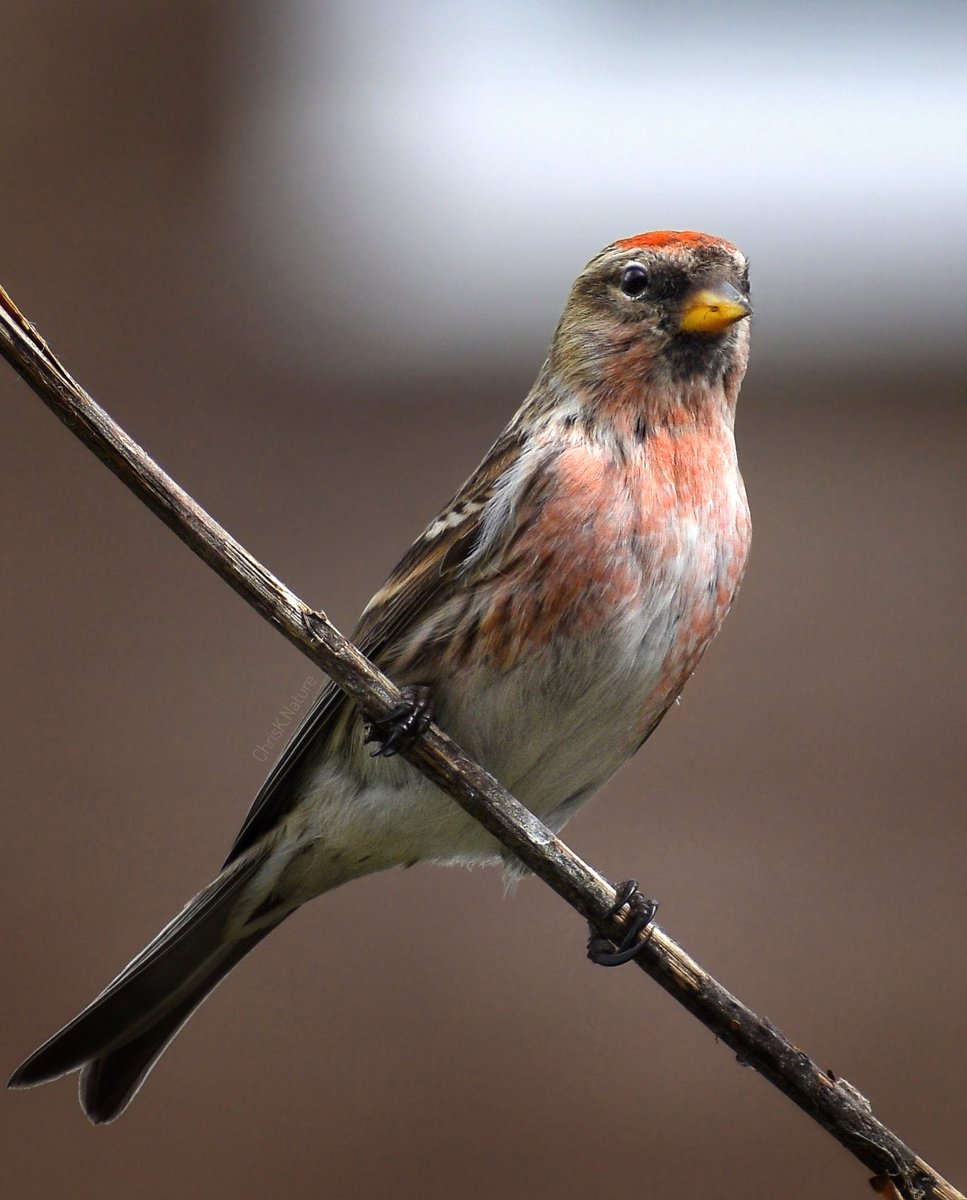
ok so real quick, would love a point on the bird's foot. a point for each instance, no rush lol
(400, 728)
(641, 912)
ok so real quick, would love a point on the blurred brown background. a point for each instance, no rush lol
(309, 255)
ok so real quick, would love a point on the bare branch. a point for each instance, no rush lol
(832, 1102)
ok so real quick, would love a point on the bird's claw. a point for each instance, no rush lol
(641, 912)
(401, 727)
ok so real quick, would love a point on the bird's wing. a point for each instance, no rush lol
(425, 576)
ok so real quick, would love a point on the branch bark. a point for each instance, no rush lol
(829, 1100)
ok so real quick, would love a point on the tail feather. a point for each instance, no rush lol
(118, 1037)
(108, 1084)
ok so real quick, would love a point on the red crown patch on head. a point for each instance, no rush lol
(666, 238)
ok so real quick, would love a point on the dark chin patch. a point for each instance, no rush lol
(699, 356)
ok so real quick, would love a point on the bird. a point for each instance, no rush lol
(546, 620)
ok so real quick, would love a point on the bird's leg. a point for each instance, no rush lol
(408, 721)
(641, 912)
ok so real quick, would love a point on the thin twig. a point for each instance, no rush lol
(834, 1103)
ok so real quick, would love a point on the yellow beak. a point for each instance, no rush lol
(713, 310)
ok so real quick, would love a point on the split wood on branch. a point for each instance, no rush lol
(831, 1101)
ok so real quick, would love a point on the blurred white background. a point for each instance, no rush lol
(445, 169)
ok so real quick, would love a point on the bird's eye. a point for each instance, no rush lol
(634, 280)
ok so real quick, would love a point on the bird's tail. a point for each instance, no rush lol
(118, 1038)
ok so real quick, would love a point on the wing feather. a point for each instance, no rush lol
(427, 575)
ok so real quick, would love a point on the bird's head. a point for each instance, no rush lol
(661, 310)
